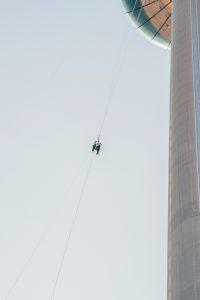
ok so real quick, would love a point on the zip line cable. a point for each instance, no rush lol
(43, 235)
(40, 240)
(69, 234)
(19, 276)
(117, 70)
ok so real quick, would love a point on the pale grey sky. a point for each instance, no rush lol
(57, 62)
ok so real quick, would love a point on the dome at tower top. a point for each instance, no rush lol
(151, 17)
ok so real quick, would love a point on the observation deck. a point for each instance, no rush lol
(152, 18)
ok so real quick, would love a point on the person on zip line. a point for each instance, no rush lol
(98, 147)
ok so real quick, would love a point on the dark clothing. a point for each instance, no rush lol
(94, 146)
(98, 148)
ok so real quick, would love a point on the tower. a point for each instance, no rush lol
(176, 24)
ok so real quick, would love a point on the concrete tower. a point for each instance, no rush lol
(176, 23)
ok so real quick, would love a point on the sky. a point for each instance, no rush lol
(60, 63)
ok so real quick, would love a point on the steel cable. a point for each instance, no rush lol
(69, 233)
(40, 240)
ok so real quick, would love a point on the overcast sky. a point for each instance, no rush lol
(58, 60)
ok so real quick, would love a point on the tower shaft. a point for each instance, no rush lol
(184, 154)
